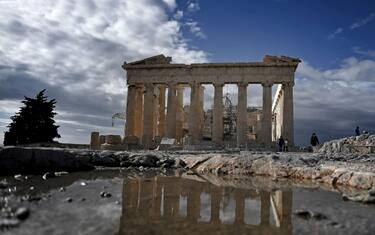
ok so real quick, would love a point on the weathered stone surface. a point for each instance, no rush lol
(286, 165)
(39, 160)
(350, 145)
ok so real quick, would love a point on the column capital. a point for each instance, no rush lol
(288, 84)
(218, 84)
(149, 85)
(242, 84)
(192, 84)
(172, 85)
(267, 84)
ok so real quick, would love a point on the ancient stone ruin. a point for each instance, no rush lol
(149, 117)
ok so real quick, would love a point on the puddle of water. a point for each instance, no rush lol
(155, 204)
(173, 205)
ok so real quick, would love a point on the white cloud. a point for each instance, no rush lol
(363, 22)
(335, 33)
(193, 5)
(170, 3)
(75, 49)
(196, 29)
(178, 15)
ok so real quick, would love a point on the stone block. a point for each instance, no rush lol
(95, 141)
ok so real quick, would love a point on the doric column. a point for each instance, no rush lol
(201, 111)
(217, 122)
(179, 112)
(130, 111)
(161, 126)
(288, 113)
(193, 113)
(156, 111)
(242, 115)
(171, 111)
(139, 112)
(267, 114)
(148, 116)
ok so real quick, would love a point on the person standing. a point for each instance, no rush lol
(357, 131)
(281, 144)
(314, 141)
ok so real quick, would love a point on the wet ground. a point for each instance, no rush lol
(114, 201)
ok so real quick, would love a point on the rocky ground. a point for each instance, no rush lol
(328, 166)
(351, 174)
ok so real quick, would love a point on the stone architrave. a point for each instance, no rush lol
(171, 111)
(288, 125)
(242, 115)
(267, 114)
(217, 119)
(148, 116)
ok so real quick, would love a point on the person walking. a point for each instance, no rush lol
(357, 131)
(314, 141)
(281, 144)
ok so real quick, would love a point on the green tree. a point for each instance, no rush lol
(33, 123)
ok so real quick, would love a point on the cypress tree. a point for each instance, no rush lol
(33, 123)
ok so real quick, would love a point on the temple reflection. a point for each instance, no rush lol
(174, 205)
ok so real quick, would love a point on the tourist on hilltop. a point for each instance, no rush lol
(281, 144)
(314, 141)
(357, 131)
(286, 145)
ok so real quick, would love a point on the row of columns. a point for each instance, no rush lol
(160, 197)
(156, 123)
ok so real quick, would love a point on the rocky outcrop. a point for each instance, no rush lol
(362, 144)
(39, 160)
(286, 165)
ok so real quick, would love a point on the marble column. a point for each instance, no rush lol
(171, 111)
(156, 111)
(139, 112)
(148, 116)
(217, 122)
(267, 114)
(242, 115)
(193, 113)
(130, 111)
(201, 111)
(161, 126)
(288, 113)
(179, 112)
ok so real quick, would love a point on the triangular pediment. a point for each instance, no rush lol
(158, 59)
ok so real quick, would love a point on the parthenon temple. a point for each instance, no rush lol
(151, 116)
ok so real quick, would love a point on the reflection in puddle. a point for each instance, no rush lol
(173, 205)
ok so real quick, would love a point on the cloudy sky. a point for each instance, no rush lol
(75, 49)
